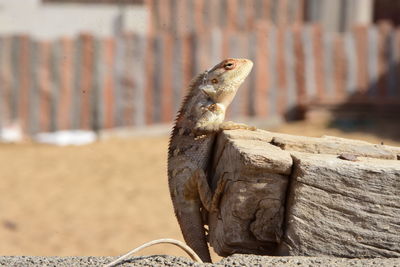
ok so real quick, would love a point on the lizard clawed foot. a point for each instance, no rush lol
(230, 125)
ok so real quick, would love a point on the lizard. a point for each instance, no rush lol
(197, 123)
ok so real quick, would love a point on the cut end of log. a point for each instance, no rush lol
(305, 196)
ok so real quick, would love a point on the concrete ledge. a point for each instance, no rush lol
(161, 260)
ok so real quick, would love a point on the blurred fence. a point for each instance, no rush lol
(186, 16)
(134, 80)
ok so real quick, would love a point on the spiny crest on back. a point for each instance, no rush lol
(190, 93)
(193, 90)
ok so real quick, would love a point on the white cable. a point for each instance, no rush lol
(180, 244)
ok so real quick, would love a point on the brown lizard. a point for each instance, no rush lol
(198, 121)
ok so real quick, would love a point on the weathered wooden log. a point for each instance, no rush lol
(281, 194)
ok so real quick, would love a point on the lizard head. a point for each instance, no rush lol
(222, 81)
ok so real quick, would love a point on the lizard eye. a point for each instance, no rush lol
(214, 81)
(229, 66)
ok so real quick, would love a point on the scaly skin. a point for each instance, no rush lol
(199, 120)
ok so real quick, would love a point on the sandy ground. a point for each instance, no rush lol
(100, 199)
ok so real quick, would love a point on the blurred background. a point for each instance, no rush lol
(111, 74)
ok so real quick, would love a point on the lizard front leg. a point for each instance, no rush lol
(203, 189)
(230, 125)
(208, 199)
(212, 118)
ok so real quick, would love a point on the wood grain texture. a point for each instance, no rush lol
(281, 194)
(332, 145)
(251, 208)
(343, 208)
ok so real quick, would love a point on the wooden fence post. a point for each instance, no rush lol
(372, 62)
(339, 69)
(384, 30)
(75, 108)
(308, 45)
(87, 80)
(290, 92)
(4, 81)
(96, 97)
(108, 82)
(394, 63)
(166, 78)
(45, 91)
(127, 80)
(272, 96)
(24, 77)
(281, 71)
(16, 78)
(299, 69)
(157, 77)
(138, 71)
(328, 65)
(65, 65)
(351, 66)
(361, 44)
(262, 76)
(34, 92)
(55, 85)
(318, 54)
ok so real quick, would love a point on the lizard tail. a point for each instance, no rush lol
(190, 221)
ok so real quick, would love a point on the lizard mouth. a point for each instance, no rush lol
(208, 90)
